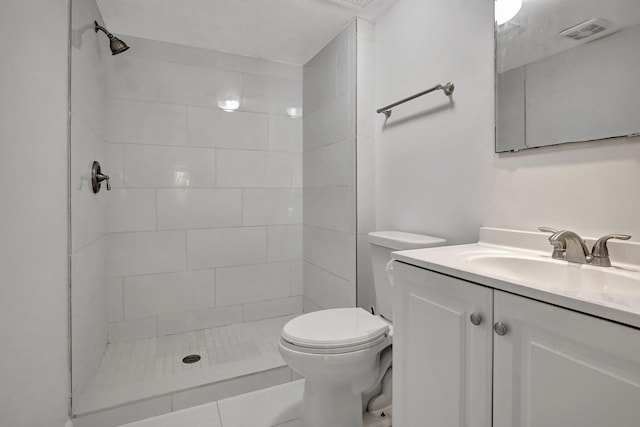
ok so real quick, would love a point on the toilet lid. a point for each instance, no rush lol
(338, 327)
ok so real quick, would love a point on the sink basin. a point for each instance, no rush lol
(562, 277)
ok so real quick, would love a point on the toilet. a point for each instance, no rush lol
(345, 353)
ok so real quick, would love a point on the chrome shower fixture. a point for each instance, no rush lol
(115, 44)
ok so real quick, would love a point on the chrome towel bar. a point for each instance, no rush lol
(447, 89)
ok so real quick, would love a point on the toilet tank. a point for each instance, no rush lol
(382, 244)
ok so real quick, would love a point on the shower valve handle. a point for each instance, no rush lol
(97, 177)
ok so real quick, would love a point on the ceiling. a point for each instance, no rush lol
(533, 33)
(291, 31)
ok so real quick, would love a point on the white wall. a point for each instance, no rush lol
(329, 164)
(437, 172)
(434, 155)
(90, 55)
(205, 215)
(34, 385)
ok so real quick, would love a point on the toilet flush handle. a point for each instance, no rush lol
(389, 270)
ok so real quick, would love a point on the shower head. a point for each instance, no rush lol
(115, 44)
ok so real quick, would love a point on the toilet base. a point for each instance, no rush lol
(331, 404)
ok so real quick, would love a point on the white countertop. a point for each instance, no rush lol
(450, 260)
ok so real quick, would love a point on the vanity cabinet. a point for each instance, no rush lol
(557, 367)
(441, 361)
(541, 366)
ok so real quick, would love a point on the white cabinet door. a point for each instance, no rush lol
(558, 368)
(442, 362)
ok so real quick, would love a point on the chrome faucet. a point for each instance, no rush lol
(575, 250)
(568, 246)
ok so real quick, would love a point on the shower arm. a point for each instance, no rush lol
(101, 28)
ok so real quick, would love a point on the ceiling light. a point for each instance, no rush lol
(294, 113)
(229, 105)
(507, 9)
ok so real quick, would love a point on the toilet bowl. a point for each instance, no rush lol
(344, 353)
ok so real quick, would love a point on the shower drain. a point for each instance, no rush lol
(192, 358)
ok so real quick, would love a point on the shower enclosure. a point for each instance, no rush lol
(184, 272)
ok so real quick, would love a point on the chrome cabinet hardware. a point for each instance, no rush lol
(500, 329)
(475, 318)
(97, 177)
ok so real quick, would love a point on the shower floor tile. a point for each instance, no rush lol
(132, 371)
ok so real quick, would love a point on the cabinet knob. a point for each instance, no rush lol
(500, 328)
(475, 318)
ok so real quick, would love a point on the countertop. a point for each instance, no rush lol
(449, 260)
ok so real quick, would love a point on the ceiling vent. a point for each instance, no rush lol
(587, 29)
(360, 4)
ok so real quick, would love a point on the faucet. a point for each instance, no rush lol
(575, 250)
(568, 246)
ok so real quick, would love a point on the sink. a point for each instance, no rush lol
(563, 277)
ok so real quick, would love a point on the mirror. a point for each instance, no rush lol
(566, 71)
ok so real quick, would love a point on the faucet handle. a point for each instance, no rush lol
(559, 246)
(600, 251)
(548, 230)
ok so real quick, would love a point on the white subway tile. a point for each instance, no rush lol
(113, 164)
(333, 251)
(297, 172)
(274, 308)
(330, 207)
(297, 278)
(146, 122)
(226, 247)
(366, 195)
(285, 242)
(132, 329)
(191, 85)
(88, 89)
(198, 208)
(270, 95)
(131, 210)
(320, 75)
(327, 290)
(146, 253)
(285, 133)
(194, 320)
(330, 165)
(89, 219)
(272, 207)
(115, 302)
(132, 78)
(212, 127)
(169, 293)
(174, 167)
(330, 123)
(169, 52)
(241, 168)
(264, 67)
(252, 283)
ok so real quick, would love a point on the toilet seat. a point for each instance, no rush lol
(334, 331)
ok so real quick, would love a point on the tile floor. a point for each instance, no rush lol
(136, 370)
(276, 406)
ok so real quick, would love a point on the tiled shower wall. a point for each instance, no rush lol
(89, 58)
(205, 214)
(330, 175)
